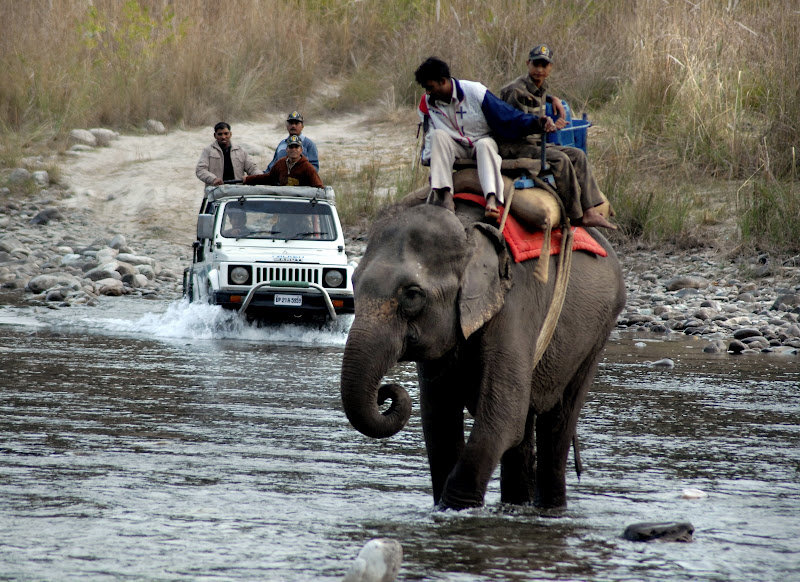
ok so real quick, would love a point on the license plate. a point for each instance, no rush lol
(288, 299)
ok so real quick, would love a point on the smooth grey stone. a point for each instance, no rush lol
(155, 126)
(663, 363)
(83, 137)
(788, 300)
(378, 561)
(103, 136)
(19, 175)
(672, 531)
(46, 215)
(736, 347)
(746, 332)
(715, 347)
(686, 282)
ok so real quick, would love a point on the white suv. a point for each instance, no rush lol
(271, 253)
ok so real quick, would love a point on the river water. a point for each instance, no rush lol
(145, 440)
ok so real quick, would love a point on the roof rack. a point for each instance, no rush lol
(235, 190)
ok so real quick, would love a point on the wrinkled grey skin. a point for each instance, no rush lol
(435, 288)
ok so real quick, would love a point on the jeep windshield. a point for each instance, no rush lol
(278, 219)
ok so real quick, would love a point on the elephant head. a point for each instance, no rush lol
(425, 283)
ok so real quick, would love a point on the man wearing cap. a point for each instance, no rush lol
(222, 161)
(460, 117)
(294, 125)
(293, 169)
(574, 179)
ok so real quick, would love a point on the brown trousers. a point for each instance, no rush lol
(574, 179)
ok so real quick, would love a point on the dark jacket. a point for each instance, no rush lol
(301, 174)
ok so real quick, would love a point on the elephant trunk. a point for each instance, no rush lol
(367, 358)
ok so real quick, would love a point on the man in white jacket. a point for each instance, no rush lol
(460, 118)
(222, 161)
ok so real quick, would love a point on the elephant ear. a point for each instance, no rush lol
(485, 280)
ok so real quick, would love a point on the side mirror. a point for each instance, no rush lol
(205, 226)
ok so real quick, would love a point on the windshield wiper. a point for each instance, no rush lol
(312, 233)
(252, 232)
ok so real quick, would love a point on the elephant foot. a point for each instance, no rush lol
(554, 503)
(458, 501)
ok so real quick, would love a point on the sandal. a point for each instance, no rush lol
(492, 213)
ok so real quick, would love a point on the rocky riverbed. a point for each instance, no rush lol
(58, 251)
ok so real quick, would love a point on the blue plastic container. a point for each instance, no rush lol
(574, 135)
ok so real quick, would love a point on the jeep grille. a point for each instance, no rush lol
(263, 274)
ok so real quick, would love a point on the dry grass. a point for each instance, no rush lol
(707, 87)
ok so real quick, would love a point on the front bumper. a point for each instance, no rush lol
(280, 300)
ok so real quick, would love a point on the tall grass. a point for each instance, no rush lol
(684, 88)
(770, 216)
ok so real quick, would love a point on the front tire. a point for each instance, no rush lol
(187, 284)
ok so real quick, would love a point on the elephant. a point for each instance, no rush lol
(440, 289)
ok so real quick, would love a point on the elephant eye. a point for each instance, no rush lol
(412, 299)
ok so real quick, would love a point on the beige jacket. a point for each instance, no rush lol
(211, 164)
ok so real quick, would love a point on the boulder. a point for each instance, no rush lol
(715, 347)
(11, 244)
(663, 363)
(378, 561)
(154, 126)
(125, 269)
(686, 282)
(109, 286)
(42, 283)
(104, 271)
(19, 175)
(136, 259)
(135, 281)
(786, 302)
(736, 347)
(82, 137)
(71, 259)
(103, 136)
(118, 242)
(46, 215)
(42, 178)
(670, 531)
(746, 332)
(146, 270)
(105, 255)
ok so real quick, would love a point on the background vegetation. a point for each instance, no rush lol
(695, 103)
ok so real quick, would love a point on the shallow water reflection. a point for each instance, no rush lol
(199, 457)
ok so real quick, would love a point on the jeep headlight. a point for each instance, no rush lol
(333, 278)
(239, 275)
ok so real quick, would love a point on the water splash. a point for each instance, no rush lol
(200, 321)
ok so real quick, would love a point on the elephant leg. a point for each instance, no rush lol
(442, 413)
(518, 468)
(554, 434)
(499, 425)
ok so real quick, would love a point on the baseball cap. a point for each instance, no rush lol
(295, 116)
(294, 140)
(541, 52)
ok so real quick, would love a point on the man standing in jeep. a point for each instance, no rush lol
(222, 161)
(294, 126)
(293, 169)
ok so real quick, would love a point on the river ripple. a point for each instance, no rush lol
(160, 447)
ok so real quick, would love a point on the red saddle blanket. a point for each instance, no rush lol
(526, 244)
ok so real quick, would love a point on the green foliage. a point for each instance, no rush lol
(770, 216)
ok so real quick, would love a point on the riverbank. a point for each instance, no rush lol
(120, 221)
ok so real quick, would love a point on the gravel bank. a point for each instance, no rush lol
(68, 244)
